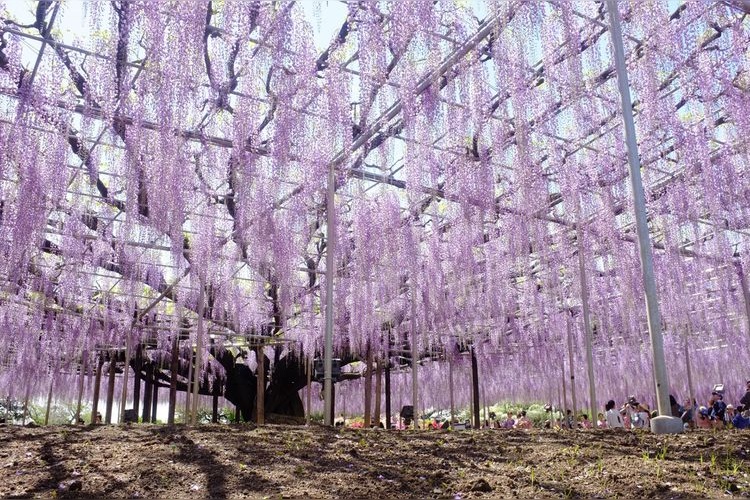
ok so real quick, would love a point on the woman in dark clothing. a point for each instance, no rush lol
(675, 407)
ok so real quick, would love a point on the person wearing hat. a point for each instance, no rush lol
(729, 415)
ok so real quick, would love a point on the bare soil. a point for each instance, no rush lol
(285, 461)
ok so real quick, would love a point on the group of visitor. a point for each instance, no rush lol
(716, 414)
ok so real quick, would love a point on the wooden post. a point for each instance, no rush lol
(137, 379)
(378, 391)
(260, 399)
(368, 387)
(215, 405)
(173, 379)
(49, 399)
(148, 392)
(81, 377)
(309, 370)
(475, 386)
(154, 400)
(97, 386)
(110, 388)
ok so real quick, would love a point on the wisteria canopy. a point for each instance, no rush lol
(163, 175)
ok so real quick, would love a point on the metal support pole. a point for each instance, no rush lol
(110, 388)
(49, 399)
(186, 420)
(691, 393)
(378, 392)
(81, 377)
(198, 355)
(174, 364)
(308, 391)
(414, 358)
(125, 373)
(564, 391)
(641, 221)
(745, 292)
(260, 389)
(97, 388)
(573, 402)
(137, 380)
(388, 383)
(450, 389)
(330, 274)
(368, 388)
(589, 335)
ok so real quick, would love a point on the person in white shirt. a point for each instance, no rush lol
(613, 416)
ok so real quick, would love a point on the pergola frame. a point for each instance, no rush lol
(352, 159)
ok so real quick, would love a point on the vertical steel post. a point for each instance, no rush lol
(450, 389)
(573, 401)
(330, 273)
(125, 373)
(198, 355)
(414, 358)
(641, 221)
(589, 334)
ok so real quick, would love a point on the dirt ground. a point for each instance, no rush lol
(283, 461)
